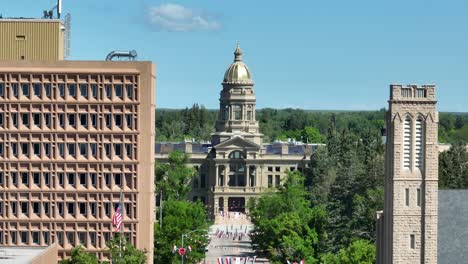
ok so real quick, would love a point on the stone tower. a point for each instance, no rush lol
(237, 104)
(407, 228)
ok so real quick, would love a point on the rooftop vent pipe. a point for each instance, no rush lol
(131, 55)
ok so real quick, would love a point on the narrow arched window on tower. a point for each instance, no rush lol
(237, 112)
(419, 138)
(407, 146)
(249, 112)
(226, 112)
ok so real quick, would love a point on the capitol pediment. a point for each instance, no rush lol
(237, 142)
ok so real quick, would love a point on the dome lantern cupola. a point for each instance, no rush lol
(238, 72)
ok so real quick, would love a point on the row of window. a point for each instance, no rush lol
(277, 181)
(418, 196)
(64, 179)
(87, 239)
(63, 209)
(85, 120)
(69, 90)
(70, 150)
(237, 112)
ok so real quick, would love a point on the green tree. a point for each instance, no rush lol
(319, 176)
(80, 256)
(459, 122)
(365, 206)
(172, 178)
(285, 226)
(181, 217)
(453, 167)
(123, 252)
(312, 135)
(359, 252)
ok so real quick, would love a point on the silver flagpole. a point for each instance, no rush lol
(121, 229)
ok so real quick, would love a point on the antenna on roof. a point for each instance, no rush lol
(50, 13)
(59, 8)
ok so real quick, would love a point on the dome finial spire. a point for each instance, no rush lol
(238, 53)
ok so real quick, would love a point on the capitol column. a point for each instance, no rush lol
(226, 175)
(216, 176)
(247, 174)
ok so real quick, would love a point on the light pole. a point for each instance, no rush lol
(185, 235)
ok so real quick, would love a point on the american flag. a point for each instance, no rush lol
(117, 219)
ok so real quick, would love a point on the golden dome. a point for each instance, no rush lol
(238, 72)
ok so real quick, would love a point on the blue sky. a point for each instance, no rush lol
(333, 54)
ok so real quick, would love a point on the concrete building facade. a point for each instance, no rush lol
(407, 228)
(237, 165)
(73, 134)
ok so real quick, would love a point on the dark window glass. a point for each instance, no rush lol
(61, 119)
(61, 148)
(24, 237)
(118, 179)
(37, 119)
(84, 120)
(107, 179)
(94, 90)
(14, 88)
(47, 149)
(128, 119)
(72, 90)
(46, 177)
(107, 148)
(14, 178)
(25, 148)
(60, 178)
(71, 179)
(71, 208)
(118, 120)
(118, 90)
(37, 178)
(2, 89)
(47, 89)
(118, 150)
(14, 119)
(82, 207)
(93, 149)
(37, 89)
(84, 90)
(25, 119)
(25, 89)
(47, 119)
(84, 149)
(71, 120)
(108, 89)
(93, 178)
(128, 150)
(129, 88)
(37, 149)
(25, 178)
(14, 148)
(61, 89)
(108, 120)
(83, 179)
(94, 120)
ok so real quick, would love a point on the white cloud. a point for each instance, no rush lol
(174, 17)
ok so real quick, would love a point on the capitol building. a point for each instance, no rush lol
(237, 165)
